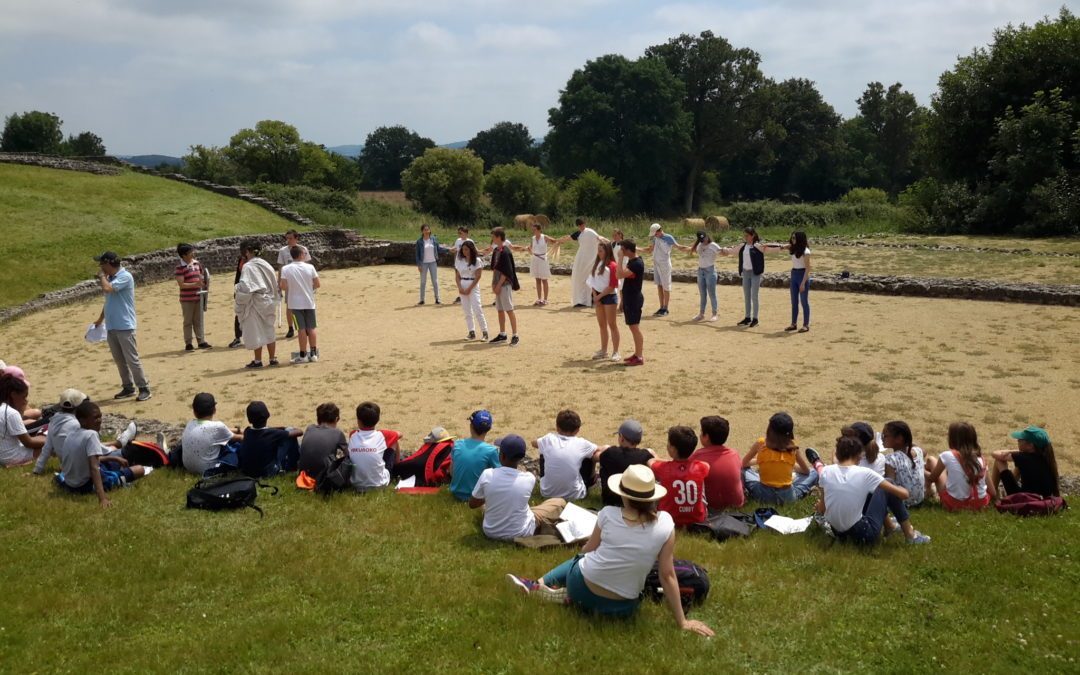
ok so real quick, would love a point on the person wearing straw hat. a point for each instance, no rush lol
(607, 578)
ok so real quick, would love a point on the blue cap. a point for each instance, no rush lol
(481, 421)
(512, 446)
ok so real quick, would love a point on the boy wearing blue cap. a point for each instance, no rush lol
(1035, 462)
(504, 493)
(471, 456)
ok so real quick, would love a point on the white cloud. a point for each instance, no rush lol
(429, 35)
(520, 37)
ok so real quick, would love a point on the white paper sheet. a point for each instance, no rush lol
(406, 482)
(785, 525)
(96, 333)
(576, 523)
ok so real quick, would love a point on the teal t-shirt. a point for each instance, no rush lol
(469, 458)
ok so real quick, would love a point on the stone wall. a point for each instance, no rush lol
(102, 166)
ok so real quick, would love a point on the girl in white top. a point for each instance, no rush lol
(17, 447)
(539, 266)
(468, 268)
(604, 282)
(906, 464)
(959, 474)
(706, 250)
(800, 280)
(609, 575)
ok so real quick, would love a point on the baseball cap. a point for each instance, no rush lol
(17, 373)
(437, 435)
(512, 446)
(481, 420)
(257, 412)
(864, 431)
(654, 228)
(108, 257)
(1037, 436)
(631, 430)
(71, 399)
(782, 423)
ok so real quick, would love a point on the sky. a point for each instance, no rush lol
(157, 76)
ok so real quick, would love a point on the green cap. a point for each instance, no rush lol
(1037, 436)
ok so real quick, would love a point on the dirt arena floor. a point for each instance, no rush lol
(925, 361)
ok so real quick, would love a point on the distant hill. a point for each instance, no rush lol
(347, 150)
(153, 160)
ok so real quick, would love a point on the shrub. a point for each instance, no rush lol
(445, 182)
(301, 198)
(590, 194)
(865, 196)
(767, 213)
(518, 188)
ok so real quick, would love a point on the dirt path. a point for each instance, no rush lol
(876, 358)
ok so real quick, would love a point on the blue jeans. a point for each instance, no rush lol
(568, 575)
(751, 284)
(706, 283)
(766, 494)
(797, 277)
(426, 270)
(867, 531)
(228, 459)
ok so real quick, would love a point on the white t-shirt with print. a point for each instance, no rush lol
(846, 489)
(562, 465)
(80, 446)
(429, 250)
(506, 493)
(799, 263)
(662, 246)
(956, 482)
(909, 476)
(706, 255)
(300, 278)
(366, 448)
(12, 450)
(201, 442)
(626, 553)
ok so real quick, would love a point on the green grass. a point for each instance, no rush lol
(387, 582)
(56, 221)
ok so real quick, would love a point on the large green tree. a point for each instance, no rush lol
(33, 131)
(445, 182)
(894, 121)
(210, 163)
(626, 120)
(504, 143)
(387, 152)
(719, 81)
(270, 152)
(86, 144)
(519, 188)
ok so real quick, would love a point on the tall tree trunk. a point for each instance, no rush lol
(691, 185)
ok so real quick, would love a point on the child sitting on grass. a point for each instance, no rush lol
(503, 492)
(567, 461)
(267, 451)
(82, 457)
(683, 477)
(616, 459)
(959, 474)
(776, 455)
(371, 452)
(905, 465)
(1035, 462)
(471, 456)
(871, 458)
(856, 499)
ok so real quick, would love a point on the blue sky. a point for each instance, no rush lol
(155, 76)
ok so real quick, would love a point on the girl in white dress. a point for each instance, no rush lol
(539, 266)
(468, 267)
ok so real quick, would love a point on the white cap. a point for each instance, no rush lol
(71, 399)
(654, 228)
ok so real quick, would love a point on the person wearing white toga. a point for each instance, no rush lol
(588, 241)
(256, 303)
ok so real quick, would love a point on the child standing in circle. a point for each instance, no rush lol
(539, 266)
(706, 250)
(633, 275)
(462, 237)
(751, 257)
(427, 261)
(661, 246)
(800, 280)
(468, 268)
(504, 282)
(604, 282)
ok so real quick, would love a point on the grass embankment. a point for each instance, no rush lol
(384, 582)
(56, 221)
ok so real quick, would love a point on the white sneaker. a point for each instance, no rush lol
(713, 317)
(313, 357)
(600, 355)
(616, 356)
(549, 594)
(127, 435)
(162, 443)
(298, 359)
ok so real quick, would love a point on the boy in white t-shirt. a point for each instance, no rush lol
(284, 257)
(660, 248)
(504, 493)
(299, 281)
(372, 452)
(567, 462)
(207, 442)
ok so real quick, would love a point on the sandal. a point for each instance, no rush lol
(804, 329)
(791, 328)
(254, 364)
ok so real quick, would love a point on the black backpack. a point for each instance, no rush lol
(693, 584)
(226, 492)
(335, 476)
(724, 526)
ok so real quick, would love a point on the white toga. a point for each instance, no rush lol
(256, 303)
(587, 241)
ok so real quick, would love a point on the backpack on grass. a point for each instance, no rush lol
(693, 584)
(1031, 504)
(223, 493)
(145, 453)
(724, 526)
(336, 475)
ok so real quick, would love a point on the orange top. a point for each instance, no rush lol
(775, 467)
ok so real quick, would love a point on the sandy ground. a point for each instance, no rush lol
(925, 361)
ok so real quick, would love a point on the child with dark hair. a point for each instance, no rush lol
(615, 459)
(723, 485)
(322, 440)
(17, 446)
(266, 451)
(83, 456)
(468, 268)
(800, 280)
(207, 441)
(855, 500)
(871, 458)
(503, 492)
(372, 452)
(504, 282)
(567, 461)
(683, 477)
(192, 279)
(633, 276)
(906, 464)
(959, 474)
(782, 473)
(1034, 461)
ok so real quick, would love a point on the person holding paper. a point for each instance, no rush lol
(118, 315)
(608, 577)
(503, 492)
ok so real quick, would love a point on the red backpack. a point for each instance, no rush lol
(1031, 504)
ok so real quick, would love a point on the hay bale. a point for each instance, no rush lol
(523, 221)
(698, 223)
(544, 221)
(717, 223)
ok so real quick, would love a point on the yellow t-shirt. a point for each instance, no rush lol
(775, 467)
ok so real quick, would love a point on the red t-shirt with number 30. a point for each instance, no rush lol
(685, 483)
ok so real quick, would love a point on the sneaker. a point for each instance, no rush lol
(919, 538)
(189, 348)
(744, 322)
(600, 355)
(549, 594)
(437, 301)
(313, 356)
(514, 341)
(714, 317)
(526, 585)
(484, 337)
(501, 337)
(634, 361)
(291, 334)
(616, 356)
(162, 442)
(126, 392)
(299, 358)
(659, 312)
(470, 336)
(790, 328)
(419, 303)
(254, 364)
(753, 323)
(235, 343)
(699, 317)
(205, 345)
(127, 435)
(294, 355)
(457, 300)
(273, 362)
(144, 395)
(812, 456)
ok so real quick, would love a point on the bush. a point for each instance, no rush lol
(301, 198)
(445, 182)
(766, 213)
(1054, 207)
(865, 196)
(590, 194)
(518, 188)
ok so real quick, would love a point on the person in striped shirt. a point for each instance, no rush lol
(192, 280)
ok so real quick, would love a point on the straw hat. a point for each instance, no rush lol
(637, 483)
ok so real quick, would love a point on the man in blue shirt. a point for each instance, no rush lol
(119, 317)
(471, 456)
